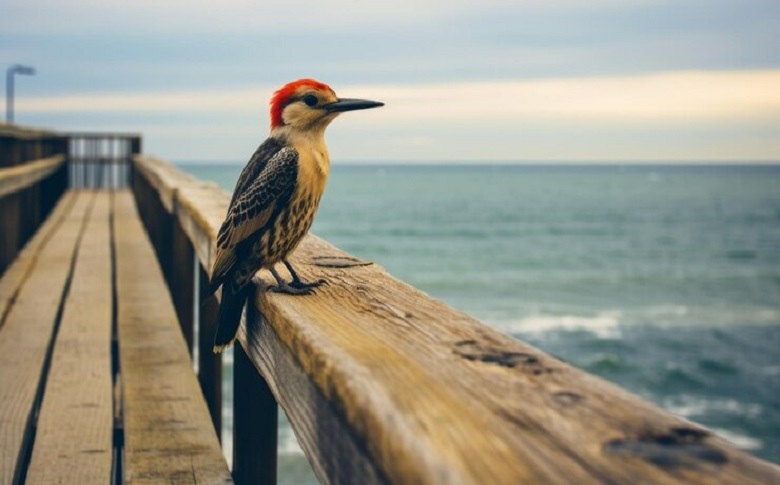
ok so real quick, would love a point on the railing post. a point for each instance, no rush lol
(182, 279)
(255, 415)
(11, 225)
(157, 221)
(209, 363)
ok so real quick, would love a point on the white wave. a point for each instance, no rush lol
(666, 311)
(741, 441)
(288, 443)
(605, 325)
(772, 370)
(689, 406)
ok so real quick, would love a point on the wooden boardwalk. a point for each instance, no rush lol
(93, 364)
(100, 325)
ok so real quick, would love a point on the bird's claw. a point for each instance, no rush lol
(296, 287)
(308, 284)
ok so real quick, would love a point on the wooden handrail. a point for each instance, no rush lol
(383, 383)
(28, 192)
(20, 145)
(199, 206)
(24, 132)
(19, 177)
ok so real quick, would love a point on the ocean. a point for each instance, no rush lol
(664, 279)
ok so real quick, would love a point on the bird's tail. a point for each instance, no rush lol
(230, 315)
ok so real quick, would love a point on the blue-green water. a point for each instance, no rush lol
(663, 279)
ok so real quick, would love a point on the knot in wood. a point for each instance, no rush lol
(483, 352)
(339, 262)
(681, 447)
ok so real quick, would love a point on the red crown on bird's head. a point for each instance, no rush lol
(281, 97)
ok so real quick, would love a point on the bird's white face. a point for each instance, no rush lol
(305, 109)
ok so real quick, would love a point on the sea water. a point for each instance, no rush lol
(664, 279)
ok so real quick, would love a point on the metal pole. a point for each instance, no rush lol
(9, 88)
(9, 95)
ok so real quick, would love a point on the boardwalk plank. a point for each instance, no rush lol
(26, 333)
(73, 440)
(26, 259)
(168, 433)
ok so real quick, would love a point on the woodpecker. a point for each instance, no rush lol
(275, 199)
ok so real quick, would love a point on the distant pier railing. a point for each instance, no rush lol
(37, 166)
(101, 160)
(33, 176)
(20, 145)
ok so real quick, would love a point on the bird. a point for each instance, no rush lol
(275, 199)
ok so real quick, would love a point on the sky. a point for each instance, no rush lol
(463, 80)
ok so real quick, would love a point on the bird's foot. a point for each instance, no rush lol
(296, 287)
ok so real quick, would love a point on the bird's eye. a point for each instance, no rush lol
(310, 100)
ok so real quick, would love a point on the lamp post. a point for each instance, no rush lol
(9, 88)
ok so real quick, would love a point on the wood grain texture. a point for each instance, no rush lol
(434, 396)
(383, 383)
(25, 261)
(209, 363)
(26, 333)
(15, 131)
(199, 206)
(168, 432)
(73, 440)
(335, 454)
(14, 179)
(256, 414)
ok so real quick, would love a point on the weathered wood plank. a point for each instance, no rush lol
(10, 230)
(336, 456)
(14, 179)
(73, 440)
(430, 395)
(168, 433)
(25, 260)
(199, 206)
(182, 282)
(29, 321)
(19, 145)
(255, 436)
(209, 363)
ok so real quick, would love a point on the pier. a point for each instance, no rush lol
(107, 373)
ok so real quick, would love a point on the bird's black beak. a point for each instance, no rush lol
(346, 104)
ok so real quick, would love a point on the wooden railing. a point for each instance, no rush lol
(382, 383)
(33, 176)
(101, 160)
(19, 145)
(37, 166)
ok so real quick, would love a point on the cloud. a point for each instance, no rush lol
(685, 115)
(250, 15)
(496, 79)
(693, 96)
(660, 97)
(181, 101)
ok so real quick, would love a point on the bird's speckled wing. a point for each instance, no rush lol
(252, 208)
(256, 164)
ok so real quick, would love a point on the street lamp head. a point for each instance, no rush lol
(20, 69)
